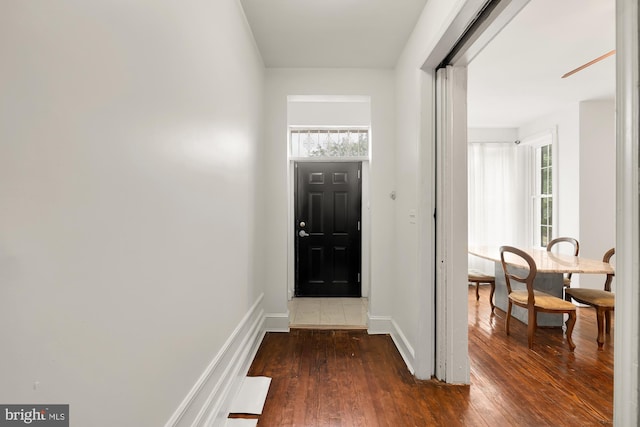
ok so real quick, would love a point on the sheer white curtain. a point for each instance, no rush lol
(497, 197)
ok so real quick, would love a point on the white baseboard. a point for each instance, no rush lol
(377, 325)
(276, 322)
(206, 403)
(405, 349)
(386, 325)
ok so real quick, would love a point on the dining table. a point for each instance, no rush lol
(549, 278)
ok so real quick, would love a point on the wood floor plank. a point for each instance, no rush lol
(349, 378)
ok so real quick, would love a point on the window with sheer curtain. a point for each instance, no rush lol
(497, 211)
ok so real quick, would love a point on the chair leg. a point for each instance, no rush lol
(600, 319)
(607, 318)
(477, 289)
(571, 322)
(508, 322)
(493, 290)
(531, 326)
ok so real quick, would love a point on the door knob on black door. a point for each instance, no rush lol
(303, 233)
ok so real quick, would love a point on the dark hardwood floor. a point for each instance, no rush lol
(349, 378)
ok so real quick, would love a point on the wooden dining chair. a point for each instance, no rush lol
(534, 301)
(576, 250)
(603, 301)
(477, 277)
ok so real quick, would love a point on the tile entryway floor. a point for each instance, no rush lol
(328, 313)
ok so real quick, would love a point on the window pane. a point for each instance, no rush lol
(548, 189)
(543, 181)
(295, 141)
(344, 141)
(549, 156)
(545, 218)
(543, 212)
(323, 142)
(333, 141)
(313, 142)
(363, 144)
(344, 145)
(545, 235)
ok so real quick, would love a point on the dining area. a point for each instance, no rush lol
(542, 270)
(536, 235)
(534, 286)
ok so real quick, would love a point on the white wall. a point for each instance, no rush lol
(405, 302)
(128, 140)
(492, 134)
(597, 184)
(377, 84)
(334, 111)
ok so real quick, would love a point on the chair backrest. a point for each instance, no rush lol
(509, 276)
(606, 258)
(571, 240)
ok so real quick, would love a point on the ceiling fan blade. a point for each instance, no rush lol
(582, 67)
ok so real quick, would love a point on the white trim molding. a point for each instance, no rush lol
(378, 325)
(276, 322)
(385, 325)
(424, 345)
(208, 399)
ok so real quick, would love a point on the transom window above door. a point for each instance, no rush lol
(329, 142)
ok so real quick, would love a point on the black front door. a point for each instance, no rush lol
(327, 227)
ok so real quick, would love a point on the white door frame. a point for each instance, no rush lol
(452, 365)
(447, 351)
(625, 384)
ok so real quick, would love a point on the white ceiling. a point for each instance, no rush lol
(331, 33)
(517, 77)
(512, 81)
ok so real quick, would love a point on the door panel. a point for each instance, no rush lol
(327, 200)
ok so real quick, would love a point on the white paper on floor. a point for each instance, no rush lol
(250, 399)
(240, 422)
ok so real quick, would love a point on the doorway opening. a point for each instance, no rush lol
(328, 140)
